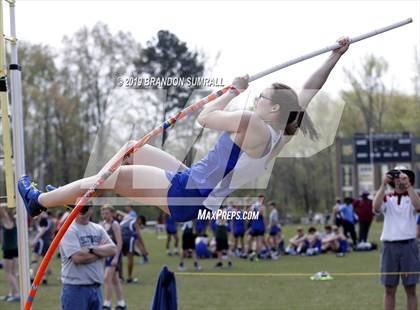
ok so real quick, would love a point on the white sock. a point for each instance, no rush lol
(107, 303)
(121, 303)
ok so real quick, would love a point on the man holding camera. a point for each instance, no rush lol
(399, 253)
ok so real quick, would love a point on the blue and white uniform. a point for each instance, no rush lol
(207, 183)
(257, 225)
(128, 234)
(170, 226)
(200, 226)
(238, 225)
(273, 222)
(44, 242)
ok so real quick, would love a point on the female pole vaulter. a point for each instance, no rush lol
(247, 142)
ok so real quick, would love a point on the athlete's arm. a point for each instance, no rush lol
(7, 221)
(117, 233)
(334, 214)
(139, 240)
(319, 77)
(41, 231)
(215, 117)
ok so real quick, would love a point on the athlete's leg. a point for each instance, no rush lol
(144, 184)
(10, 273)
(176, 239)
(235, 243)
(168, 242)
(109, 273)
(118, 287)
(130, 265)
(152, 156)
(242, 243)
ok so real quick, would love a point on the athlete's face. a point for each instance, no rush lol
(106, 214)
(264, 104)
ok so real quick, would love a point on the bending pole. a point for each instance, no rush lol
(119, 159)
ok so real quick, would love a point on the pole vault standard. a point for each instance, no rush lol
(18, 152)
(119, 158)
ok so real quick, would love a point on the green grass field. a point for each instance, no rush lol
(225, 291)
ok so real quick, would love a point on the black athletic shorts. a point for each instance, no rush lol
(128, 246)
(188, 241)
(10, 254)
(238, 234)
(222, 244)
(41, 247)
(257, 232)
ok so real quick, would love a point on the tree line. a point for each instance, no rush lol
(68, 94)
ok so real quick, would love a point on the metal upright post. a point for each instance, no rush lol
(19, 154)
(7, 147)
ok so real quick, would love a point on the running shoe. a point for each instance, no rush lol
(30, 194)
(132, 280)
(197, 267)
(13, 298)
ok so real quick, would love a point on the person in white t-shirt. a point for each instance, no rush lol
(83, 250)
(399, 252)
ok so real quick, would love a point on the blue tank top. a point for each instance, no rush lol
(227, 168)
(210, 170)
(170, 224)
(49, 225)
(200, 225)
(257, 224)
(238, 224)
(127, 228)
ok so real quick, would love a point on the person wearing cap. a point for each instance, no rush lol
(363, 208)
(83, 250)
(399, 251)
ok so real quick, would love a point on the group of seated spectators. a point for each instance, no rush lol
(315, 242)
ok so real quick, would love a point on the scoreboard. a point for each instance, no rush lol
(385, 147)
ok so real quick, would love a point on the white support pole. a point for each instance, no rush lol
(19, 156)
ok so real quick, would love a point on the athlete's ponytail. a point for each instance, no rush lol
(290, 111)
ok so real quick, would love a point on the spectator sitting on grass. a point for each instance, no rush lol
(201, 246)
(327, 232)
(296, 242)
(312, 242)
(335, 242)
